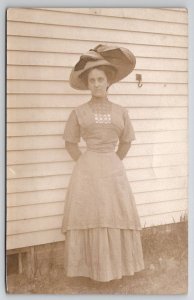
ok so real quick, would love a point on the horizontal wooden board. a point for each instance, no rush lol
(55, 235)
(159, 124)
(35, 211)
(71, 101)
(51, 128)
(54, 155)
(162, 207)
(62, 114)
(160, 196)
(166, 218)
(62, 181)
(26, 198)
(131, 163)
(33, 184)
(49, 215)
(153, 161)
(34, 224)
(46, 87)
(35, 44)
(56, 74)
(27, 58)
(47, 219)
(159, 184)
(57, 142)
(52, 196)
(156, 14)
(94, 21)
(152, 173)
(93, 34)
(144, 173)
(35, 238)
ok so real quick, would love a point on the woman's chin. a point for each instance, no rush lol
(98, 94)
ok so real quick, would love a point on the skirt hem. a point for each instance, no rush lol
(107, 279)
(103, 254)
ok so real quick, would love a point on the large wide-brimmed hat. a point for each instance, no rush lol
(120, 58)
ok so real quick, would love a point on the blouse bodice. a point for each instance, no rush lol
(101, 124)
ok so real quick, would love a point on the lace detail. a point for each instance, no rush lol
(101, 110)
(102, 118)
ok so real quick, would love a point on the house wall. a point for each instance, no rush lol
(42, 46)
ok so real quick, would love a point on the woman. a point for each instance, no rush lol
(100, 222)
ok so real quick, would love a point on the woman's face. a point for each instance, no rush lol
(97, 83)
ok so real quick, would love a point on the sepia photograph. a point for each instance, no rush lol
(97, 151)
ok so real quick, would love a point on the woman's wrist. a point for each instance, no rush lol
(123, 149)
(73, 150)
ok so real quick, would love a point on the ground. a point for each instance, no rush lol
(165, 256)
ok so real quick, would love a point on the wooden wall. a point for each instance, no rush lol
(42, 46)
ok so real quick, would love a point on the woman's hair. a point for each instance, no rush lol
(108, 70)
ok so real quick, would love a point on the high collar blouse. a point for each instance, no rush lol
(101, 124)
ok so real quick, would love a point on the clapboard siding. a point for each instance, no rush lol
(38, 197)
(146, 14)
(47, 114)
(41, 215)
(56, 155)
(61, 181)
(49, 45)
(37, 87)
(59, 59)
(54, 222)
(55, 141)
(42, 46)
(46, 128)
(54, 235)
(135, 162)
(43, 101)
(124, 24)
(94, 34)
(51, 74)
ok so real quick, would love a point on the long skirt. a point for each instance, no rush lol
(101, 223)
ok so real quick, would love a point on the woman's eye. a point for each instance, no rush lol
(91, 80)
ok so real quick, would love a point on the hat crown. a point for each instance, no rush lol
(114, 52)
(93, 53)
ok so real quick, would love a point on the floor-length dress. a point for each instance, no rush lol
(100, 222)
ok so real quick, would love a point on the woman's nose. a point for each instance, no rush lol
(96, 83)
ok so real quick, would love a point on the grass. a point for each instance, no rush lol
(165, 256)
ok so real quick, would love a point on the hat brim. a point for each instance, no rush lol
(122, 70)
